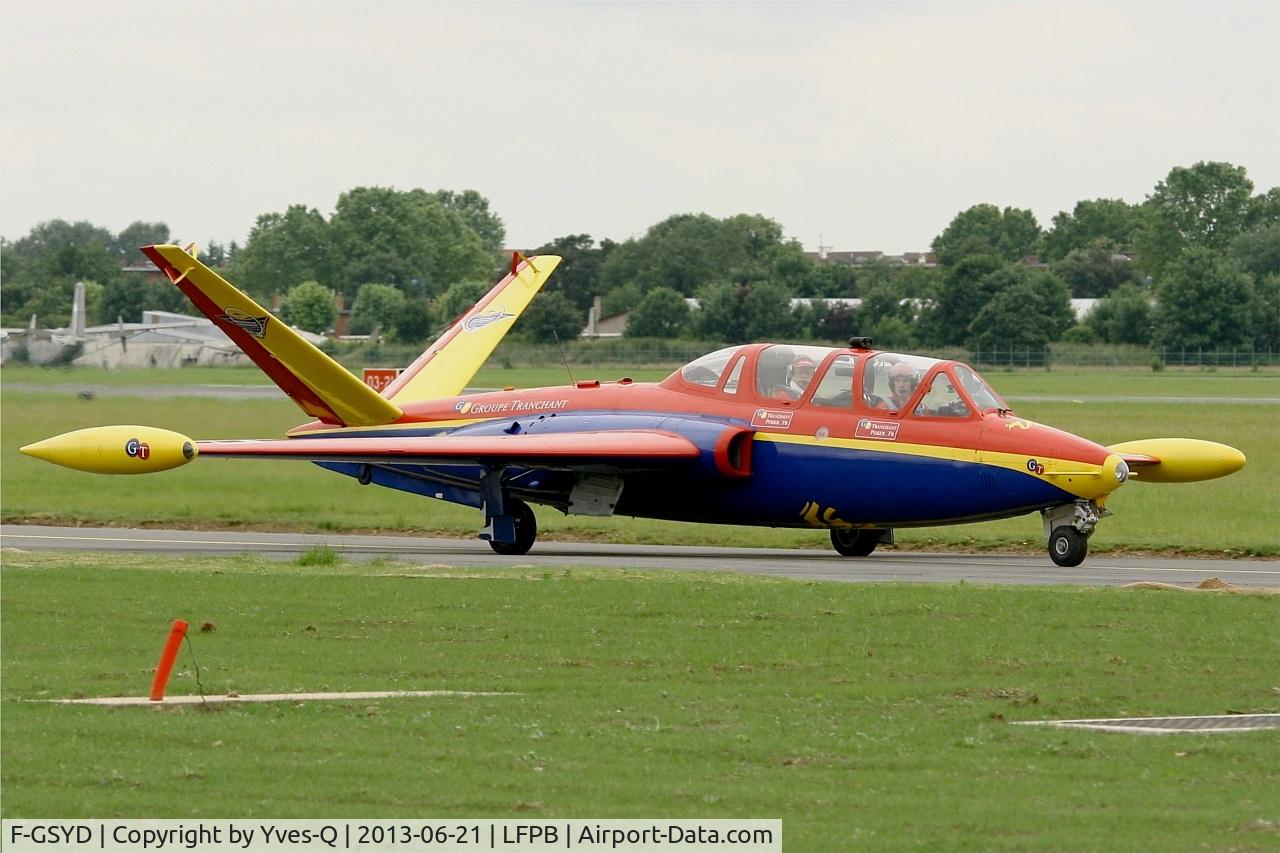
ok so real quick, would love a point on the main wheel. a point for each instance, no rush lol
(855, 543)
(526, 531)
(1068, 546)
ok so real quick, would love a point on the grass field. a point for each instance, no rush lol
(1011, 384)
(867, 717)
(1235, 515)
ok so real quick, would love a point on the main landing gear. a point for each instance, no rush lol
(526, 530)
(1068, 528)
(510, 527)
(854, 542)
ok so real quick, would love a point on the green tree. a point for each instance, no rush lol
(1095, 270)
(893, 333)
(767, 313)
(310, 306)
(550, 315)
(1258, 251)
(809, 318)
(214, 254)
(984, 229)
(377, 306)
(137, 235)
(963, 291)
(1124, 316)
(416, 323)
(720, 314)
(283, 250)
(432, 244)
(1027, 310)
(1110, 219)
(838, 323)
(474, 210)
(1205, 302)
(881, 302)
(578, 276)
(1264, 209)
(128, 296)
(1202, 206)
(829, 280)
(459, 298)
(1266, 313)
(687, 251)
(662, 313)
(40, 270)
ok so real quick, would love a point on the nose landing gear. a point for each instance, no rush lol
(1068, 528)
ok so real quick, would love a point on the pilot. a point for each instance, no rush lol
(801, 375)
(902, 384)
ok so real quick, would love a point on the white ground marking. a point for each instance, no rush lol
(268, 697)
(1168, 725)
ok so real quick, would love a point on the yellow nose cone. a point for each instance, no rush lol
(116, 450)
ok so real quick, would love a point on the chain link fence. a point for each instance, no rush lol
(669, 354)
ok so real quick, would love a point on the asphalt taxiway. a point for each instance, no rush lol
(884, 566)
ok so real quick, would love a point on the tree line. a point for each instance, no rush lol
(1195, 265)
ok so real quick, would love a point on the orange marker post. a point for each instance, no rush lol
(171, 646)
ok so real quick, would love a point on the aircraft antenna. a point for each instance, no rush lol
(564, 356)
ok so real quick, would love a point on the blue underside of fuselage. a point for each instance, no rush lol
(790, 484)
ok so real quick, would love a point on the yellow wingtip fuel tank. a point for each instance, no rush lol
(116, 450)
(1180, 460)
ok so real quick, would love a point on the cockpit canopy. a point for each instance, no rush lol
(841, 378)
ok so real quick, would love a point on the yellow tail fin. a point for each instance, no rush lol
(450, 363)
(319, 385)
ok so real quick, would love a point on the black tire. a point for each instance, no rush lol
(526, 531)
(1068, 546)
(855, 543)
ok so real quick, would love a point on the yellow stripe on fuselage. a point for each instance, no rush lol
(1082, 479)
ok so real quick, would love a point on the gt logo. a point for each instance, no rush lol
(1034, 467)
(137, 449)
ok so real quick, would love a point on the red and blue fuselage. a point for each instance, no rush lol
(821, 459)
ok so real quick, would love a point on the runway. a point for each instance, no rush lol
(818, 565)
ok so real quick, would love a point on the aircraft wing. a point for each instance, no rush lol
(449, 364)
(620, 448)
(319, 385)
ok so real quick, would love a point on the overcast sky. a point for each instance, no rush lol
(866, 125)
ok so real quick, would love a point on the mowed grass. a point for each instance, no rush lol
(26, 374)
(1075, 382)
(1235, 515)
(867, 717)
(1065, 381)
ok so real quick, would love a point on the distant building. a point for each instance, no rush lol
(861, 258)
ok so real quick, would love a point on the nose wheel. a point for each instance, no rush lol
(1068, 528)
(1068, 546)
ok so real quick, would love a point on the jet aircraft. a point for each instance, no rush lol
(853, 440)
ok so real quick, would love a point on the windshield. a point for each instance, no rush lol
(980, 392)
(707, 370)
